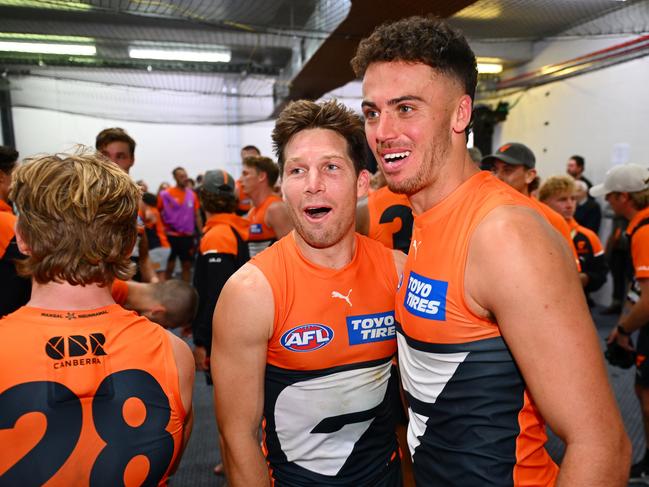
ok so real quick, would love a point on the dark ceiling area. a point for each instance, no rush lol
(279, 49)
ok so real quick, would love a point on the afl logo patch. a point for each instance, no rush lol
(307, 338)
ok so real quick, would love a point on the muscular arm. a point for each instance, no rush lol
(519, 272)
(277, 218)
(185, 363)
(242, 325)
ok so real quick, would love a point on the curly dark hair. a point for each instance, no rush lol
(426, 40)
(332, 115)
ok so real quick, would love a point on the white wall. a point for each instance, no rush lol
(592, 115)
(159, 149)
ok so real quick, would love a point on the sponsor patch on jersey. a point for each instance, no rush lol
(426, 297)
(307, 338)
(376, 327)
(255, 229)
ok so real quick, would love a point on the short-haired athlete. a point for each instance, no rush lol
(269, 220)
(304, 333)
(102, 396)
(493, 330)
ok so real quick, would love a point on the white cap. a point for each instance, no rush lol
(628, 178)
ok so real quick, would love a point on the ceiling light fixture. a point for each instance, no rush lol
(49, 48)
(162, 54)
(490, 68)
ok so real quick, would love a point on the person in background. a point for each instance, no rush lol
(588, 212)
(244, 201)
(559, 193)
(118, 146)
(159, 248)
(575, 167)
(179, 209)
(15, 289)
(268, 217)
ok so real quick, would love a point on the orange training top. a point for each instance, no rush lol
(7, 226)
(261, 235)
(155, 230)
(390, 219)
(328, 392)
(96, 400)
(472, 421)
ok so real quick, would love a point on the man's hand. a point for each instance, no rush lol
(621, 339)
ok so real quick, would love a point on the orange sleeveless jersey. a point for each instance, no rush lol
(390, 219)
(87, 398)
(472, 421)
(327, 411)
(260, 235)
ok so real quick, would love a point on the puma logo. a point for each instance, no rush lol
(415, 245)
(336, 294)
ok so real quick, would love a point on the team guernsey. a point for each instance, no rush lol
(328, 390)
(390, 219)
(260, 234)
(472, 420)
(98, 405)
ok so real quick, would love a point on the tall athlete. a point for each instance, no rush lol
(493, 330)
(112, 390)
(627, 191)
(304, 333)
(268, 217)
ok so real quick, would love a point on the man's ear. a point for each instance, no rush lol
(363, 183)
(462, 115)
(158, 314)
(530, 174)
(20, 241)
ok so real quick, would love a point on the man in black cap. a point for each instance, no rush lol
(515, 164)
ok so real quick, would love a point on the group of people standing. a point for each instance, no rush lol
(483, 308)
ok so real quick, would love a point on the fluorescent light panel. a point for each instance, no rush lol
(490, 68)
(217, 56)
(48, 48)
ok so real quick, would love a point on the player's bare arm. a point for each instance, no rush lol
(186, 373)
(242, 325)
(277, 218)
(519, 272)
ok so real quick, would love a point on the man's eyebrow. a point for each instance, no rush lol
(393, 101)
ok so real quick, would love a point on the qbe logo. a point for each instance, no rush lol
(307, 338)
(255, 228)
(371, 328)
(426, 297)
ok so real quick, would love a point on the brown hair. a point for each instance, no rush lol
(265, 165)
(217, 203)
(426, 40)
(180, 300)
(331, 115)
(115, 134)
(8, 158)
(556, 185)
(77, 215)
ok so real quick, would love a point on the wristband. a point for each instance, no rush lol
(622, 331)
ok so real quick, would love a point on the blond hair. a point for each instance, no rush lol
(77, 214)
(556, 185)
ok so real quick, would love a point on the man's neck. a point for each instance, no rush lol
(181, 188)
(140, 297)
(259, 195)
(446, 178)
(64, 296)
(335, 257)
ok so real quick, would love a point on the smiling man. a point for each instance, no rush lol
(304, 333)
(494, 333)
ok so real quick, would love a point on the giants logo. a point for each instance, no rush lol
(77, 346)
(255, 229)
(306, 338)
